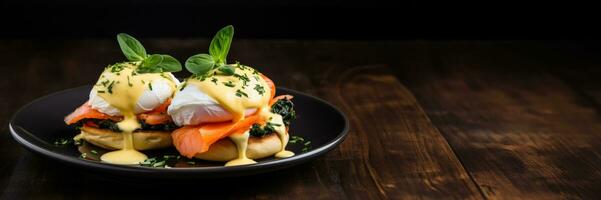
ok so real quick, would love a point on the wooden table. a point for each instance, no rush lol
(429, 119)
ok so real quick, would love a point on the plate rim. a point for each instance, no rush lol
(272, 164)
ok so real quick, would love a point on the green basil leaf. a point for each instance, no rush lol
(220, 45)
(158, 63)
(200, 64)
(169, 64)
(227, 70)
(143, 70)
(132, 48)
(152, 61)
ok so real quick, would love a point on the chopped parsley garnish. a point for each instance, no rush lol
(229, 84)
(239, 93)
(116, 68)
(62, 141)
(110, 87)
(100, 91)
(105, 82)
(128, 82)
(160, 162)
(243, 78)
(306, 148)
(200, 77)
(299, 140)
(150, 86)
(214, 80)
(171, 156)
(183, 85)
(94, 152)
(260, 89)
(296, 139)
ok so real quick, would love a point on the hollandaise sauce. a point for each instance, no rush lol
(241, 141)
(245, 89)
(237, 93)
(282, 134)
(121, 86)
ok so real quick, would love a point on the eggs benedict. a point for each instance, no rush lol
(229, 112)
(127, 107)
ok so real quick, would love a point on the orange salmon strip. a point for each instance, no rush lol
(190, 140)
(83, 112)
(161, 108)
(154, 117)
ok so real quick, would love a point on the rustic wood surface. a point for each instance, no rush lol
(429, 120)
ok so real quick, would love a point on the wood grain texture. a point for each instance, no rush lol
(520, 131)
(393, 151)
(390, 127)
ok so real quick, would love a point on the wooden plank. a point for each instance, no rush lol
(392, 141)
(518, 130)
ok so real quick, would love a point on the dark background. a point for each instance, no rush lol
(464, 100)
(307, 19)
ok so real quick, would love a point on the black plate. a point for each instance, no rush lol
(38, 124)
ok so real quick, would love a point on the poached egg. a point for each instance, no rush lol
(147, 101)
(219, 98)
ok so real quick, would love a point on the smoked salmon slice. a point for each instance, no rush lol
(158, 115)
(161, 108)
(190, 140)
(83, 112)
(154, 117)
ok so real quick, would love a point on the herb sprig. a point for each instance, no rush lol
(216, 60)
(153, 63)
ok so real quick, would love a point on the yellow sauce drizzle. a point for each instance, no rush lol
(241, 141)
(280, 130)
(121, 89)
